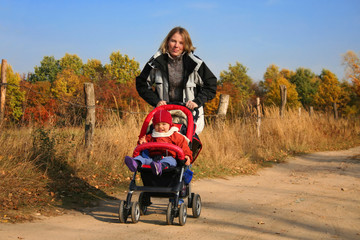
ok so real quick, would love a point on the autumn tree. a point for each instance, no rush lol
(329, 92)
(15, 96)
(306, 83)
(39, 106)
(93, 70)
(273, 78)
(47, 71)
(122, 69)
(352, 71)
(68, 90)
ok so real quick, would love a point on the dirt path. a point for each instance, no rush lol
(315, 196)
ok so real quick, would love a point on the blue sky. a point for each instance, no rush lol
(288, 33)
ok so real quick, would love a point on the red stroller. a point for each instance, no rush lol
(174, 183)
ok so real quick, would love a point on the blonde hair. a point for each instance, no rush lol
(188, 46)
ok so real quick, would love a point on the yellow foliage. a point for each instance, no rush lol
(273, 94)
(68, 84)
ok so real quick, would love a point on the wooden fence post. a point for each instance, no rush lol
(223, 106)
(283, 99)
(336, 116)
(90, 114)
(3, 89)
(311, 112)
(258, 121)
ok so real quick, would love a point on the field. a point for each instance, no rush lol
(44, 170)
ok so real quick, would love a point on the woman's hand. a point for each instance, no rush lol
(187, 163)
(160, 103)
(191, 105)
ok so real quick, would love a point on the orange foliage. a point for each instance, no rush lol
(39, 107)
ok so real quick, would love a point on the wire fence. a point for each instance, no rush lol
(247, 114)
(69, 102)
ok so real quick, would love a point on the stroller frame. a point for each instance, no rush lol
(170, 184)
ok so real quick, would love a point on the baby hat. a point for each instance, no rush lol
(162, 116)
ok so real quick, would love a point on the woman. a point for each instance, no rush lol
(177, 76)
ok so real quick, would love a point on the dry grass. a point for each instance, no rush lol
(45, 167)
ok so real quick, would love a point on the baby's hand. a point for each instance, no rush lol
(187, 163)
(142, 140)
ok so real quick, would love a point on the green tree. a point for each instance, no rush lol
(122, 69)
(237, 76)
(49, 68)
(307, 84)
(350, 100)
(72, 61)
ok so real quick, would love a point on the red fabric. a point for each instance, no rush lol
(190, 126)
(176, 139)
(162, 116)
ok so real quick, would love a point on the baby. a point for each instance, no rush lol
(164, 131)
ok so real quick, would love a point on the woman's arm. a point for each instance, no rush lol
(208, 90)
(144, 90)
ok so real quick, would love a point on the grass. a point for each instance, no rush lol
(46, 170)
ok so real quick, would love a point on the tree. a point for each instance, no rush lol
(329, 91)
(273, 78)
(49, 68)
(68, 85)
(307, 84)
(237, 83)
(352, 64)
(39, 106)
(14, 96)
(349, 97)
(273, 94)
(122, 68)
(93, 70)
(72, 61)
(272, 74)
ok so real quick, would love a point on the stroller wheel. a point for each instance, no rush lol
(143, 203)
(170, 214)
(182, 214)
(135, 212)
(123, 212)
(196, 205)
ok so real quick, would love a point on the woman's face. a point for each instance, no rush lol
(176, 45)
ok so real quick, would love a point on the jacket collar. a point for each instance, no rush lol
(160, 61)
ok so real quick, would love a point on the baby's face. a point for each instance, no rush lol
(162, 127)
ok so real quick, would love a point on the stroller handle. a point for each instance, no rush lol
(163, 146)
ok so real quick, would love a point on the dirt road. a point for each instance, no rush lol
(314, 196)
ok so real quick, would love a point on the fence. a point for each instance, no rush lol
(91, 107)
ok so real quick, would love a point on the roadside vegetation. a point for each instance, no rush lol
(45, 170)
